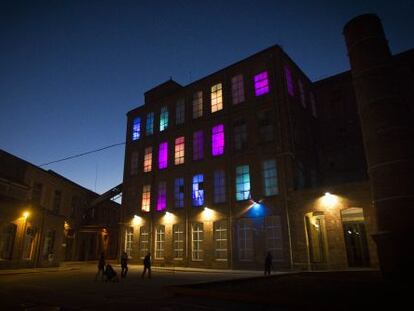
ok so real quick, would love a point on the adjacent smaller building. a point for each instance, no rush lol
(46, 219)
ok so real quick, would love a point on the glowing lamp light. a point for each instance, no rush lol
(169, 217)
(136, 220)
(329, 200)
(208, 214)
(26, 214)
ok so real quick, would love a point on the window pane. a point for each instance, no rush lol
(163, 156)
(136, 128)
(180, 112)
(146, 198)
(269, 172)
(289, 81)
(149, 126)
(219, 186)
(198, 190)
(198, 145)
(216, 97)
(162, 196)
(242, 183)
(197, 105)
(163, 119)
(261, 83)
(148, 159)
(179, 151)
(197, 241)
(237, 89)
(217, 140)
(179, 193)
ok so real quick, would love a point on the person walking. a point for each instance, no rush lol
(147, 266)
(124, 264)
(268, 264)
(101, 267)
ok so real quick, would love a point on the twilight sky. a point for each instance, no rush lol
(71, 70)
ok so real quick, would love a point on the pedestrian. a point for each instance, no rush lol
(124, 264)
(147, 266)
(110, 274)
(101, 267)
(268, 264)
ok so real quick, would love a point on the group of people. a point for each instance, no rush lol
(108, 274)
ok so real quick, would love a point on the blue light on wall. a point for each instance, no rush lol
(256, 210)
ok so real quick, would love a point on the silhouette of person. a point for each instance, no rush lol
(101, 267)
(147, 266)
(124, 264)
(110, 274)
(268, 264)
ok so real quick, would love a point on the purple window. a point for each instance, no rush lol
(163, 156)
(217, 140)
(289, 81)
(198, 145)
(162, 196)
(261, 83)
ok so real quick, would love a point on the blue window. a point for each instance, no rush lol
(163, 119)
(136, 128)
(149, 126)
(242, 183)
(198, 190)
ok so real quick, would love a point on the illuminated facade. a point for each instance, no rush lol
(46, 219)
(237, 164)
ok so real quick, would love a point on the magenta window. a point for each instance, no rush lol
(289, 81)
(163, 156)
(198, 145)
(217, 140)
(261, 83)
(162, 196)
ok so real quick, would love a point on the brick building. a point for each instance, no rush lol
(46, 219)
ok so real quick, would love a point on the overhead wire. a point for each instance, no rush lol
(82, 154)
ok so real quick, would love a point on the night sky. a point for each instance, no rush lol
(71, 70)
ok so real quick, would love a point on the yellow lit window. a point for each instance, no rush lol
(216, 98)
(146, 198)
(179, 151)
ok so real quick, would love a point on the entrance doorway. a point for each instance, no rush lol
(355, 237)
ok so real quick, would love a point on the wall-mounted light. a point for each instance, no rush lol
(26, 214)
(208, 214)
(136, 221)
(169, 217)
(329, 200)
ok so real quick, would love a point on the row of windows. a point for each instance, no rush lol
(240, 142)
(261, 87)
(245, 240)
(242, 187)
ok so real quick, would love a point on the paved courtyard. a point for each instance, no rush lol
(74, 288)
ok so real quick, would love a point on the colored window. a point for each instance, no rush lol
(220, 239)
(163, 119)
(179, 193)
(242, 183)
(148, 159)
(134, 163)
(162, 196)
(146, 198)
(289, 81)
(237, 89)
(245, 239)
(197, 237)
(217, 140)
(159, 241)
(198, 190)
(240, 135)
(179, 151)
(216, 97)
(269, 172)
(136, 128)
(149, 125)
(302, 94)
(163, 156)
(261, 83)
(219, 186)
(180, 112)
(197, 104)
(178, 238)
(198, 145)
